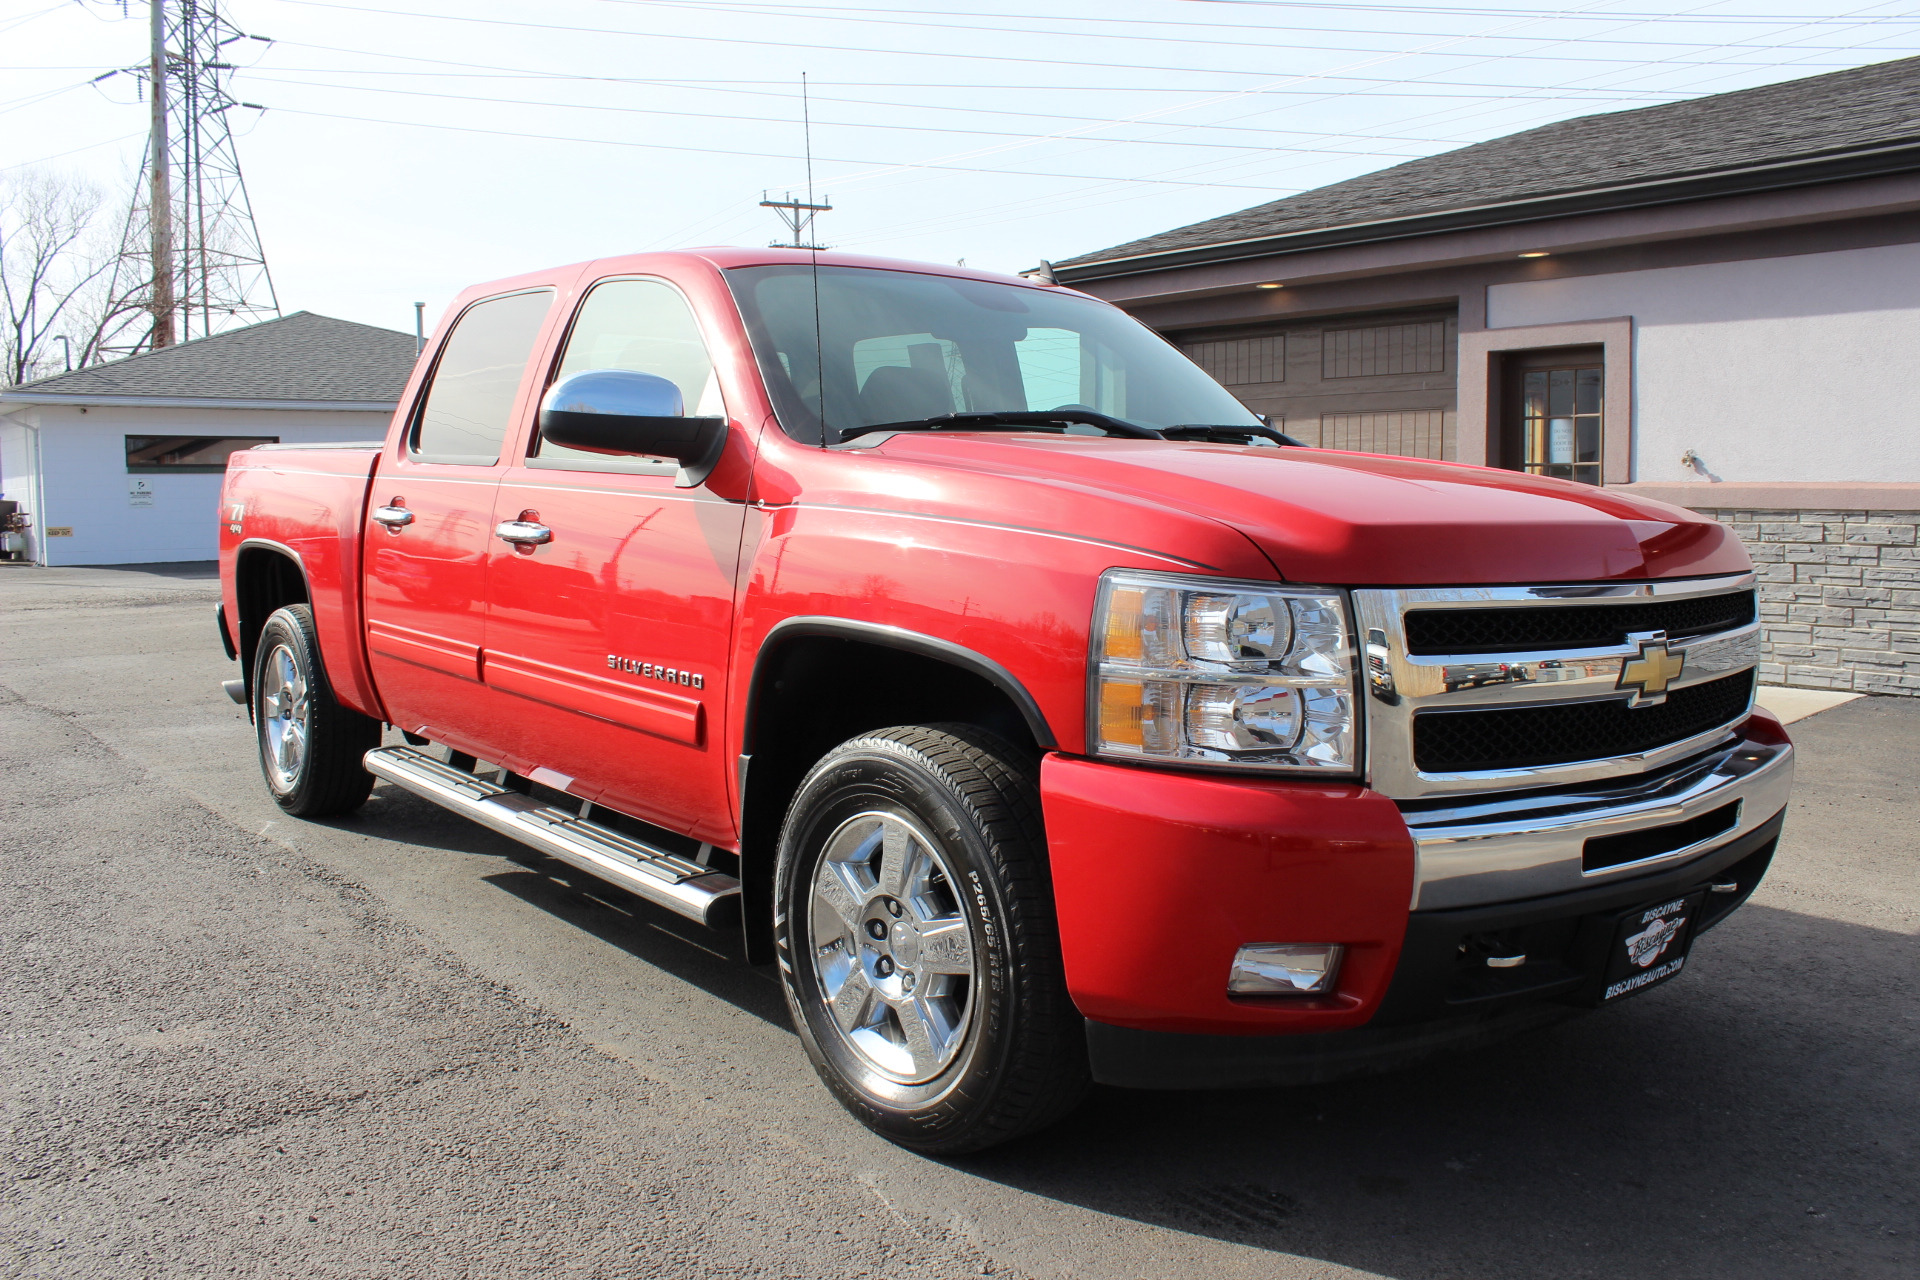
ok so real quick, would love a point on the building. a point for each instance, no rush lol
(120, 463)
(1715, 303)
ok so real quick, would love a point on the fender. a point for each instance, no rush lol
(246, 651)
(895, 638)
(757, 903)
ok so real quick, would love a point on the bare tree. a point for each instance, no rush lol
(56, 272)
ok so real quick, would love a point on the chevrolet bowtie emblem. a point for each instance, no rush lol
(1649, 674)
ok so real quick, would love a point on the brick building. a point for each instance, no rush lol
(1715, 303)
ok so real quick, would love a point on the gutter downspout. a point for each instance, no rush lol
(38, 547)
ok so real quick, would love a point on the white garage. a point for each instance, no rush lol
(120, 463)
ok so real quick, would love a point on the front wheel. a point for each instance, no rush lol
(918, 949)
(311, 746)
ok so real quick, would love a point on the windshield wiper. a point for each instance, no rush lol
(1246, 433)
(1011, 421)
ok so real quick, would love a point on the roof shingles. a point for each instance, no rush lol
(1820, 114)
(301, 357)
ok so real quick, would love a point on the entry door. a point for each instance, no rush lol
(613, 635)
(1554, 412)
(429, 528)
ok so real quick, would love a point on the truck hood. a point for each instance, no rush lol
(1366, 519)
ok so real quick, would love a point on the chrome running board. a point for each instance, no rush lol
(678, 884)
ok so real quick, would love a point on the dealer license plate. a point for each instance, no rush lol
(1650, 946)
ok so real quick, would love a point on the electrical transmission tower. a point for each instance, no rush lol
(190, 258)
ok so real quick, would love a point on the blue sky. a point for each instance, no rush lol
(411, 147)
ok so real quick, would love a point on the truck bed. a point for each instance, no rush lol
(307, 501)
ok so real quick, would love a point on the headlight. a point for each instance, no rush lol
(1228, 673)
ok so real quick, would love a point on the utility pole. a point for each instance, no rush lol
(160, 198)
(798, 215)
(190, 257)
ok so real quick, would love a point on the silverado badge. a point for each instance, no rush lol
(1649, 674)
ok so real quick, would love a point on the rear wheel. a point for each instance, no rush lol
(311, 746)
(918, 949)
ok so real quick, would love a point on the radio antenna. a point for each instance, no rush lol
(798, 215)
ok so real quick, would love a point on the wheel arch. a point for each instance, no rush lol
(817, 682)
(266, 576)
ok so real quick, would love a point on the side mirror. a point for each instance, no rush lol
(620, 412)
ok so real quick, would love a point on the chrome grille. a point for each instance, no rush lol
(1482, 689)
(1562, 733)
(1572, 626)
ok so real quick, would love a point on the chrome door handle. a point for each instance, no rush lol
(523, 533)
(393, 517)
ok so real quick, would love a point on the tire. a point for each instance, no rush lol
(311, 747)
(915, 931)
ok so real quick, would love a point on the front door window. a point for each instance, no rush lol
(1560, 423)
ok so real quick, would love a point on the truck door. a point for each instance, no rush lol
(430, 522)
(612, 633)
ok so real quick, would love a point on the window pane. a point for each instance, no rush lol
(644, 326)
(1589, 433)
(1587, 396)
(465, 417)
(1536, 395)
(1560, 392)
(187, 453)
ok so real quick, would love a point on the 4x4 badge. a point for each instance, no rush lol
(1649, 674)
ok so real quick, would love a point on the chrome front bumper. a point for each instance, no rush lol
(1501, 849)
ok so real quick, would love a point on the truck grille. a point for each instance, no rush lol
(1504, 687)
(1592, 626)
(1564, 733)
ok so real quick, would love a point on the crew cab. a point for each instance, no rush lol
(1043, 714)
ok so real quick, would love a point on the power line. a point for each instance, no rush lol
(61, 155)
(684, 86)
(1554, 14)
(756, 155)
(837, 124)
(831, 48)
(820, 14)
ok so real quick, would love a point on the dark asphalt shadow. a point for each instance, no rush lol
(1755, 1118)
(702, 958)
(1743, 1121)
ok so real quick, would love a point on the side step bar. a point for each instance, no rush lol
(696, 892)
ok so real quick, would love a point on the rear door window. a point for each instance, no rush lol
(470, 402)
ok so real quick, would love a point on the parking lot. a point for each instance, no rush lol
(399, 1045)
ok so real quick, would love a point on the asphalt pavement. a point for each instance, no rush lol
(397, 1045)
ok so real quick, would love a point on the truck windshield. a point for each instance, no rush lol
(900, 346)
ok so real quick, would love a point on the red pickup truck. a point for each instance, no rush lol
(1043, 714)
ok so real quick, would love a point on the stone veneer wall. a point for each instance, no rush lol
(1839, 597)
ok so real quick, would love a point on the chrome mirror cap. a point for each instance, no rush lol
(626, 412)
(624, 393)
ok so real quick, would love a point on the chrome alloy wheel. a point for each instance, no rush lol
(285, 713)
(892, 950)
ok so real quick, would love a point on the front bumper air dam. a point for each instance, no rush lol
(1160, 876)
(1440, 1000)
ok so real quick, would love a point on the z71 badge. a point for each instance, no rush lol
(654, 671)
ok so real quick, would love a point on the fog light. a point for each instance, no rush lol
(1284, 969)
